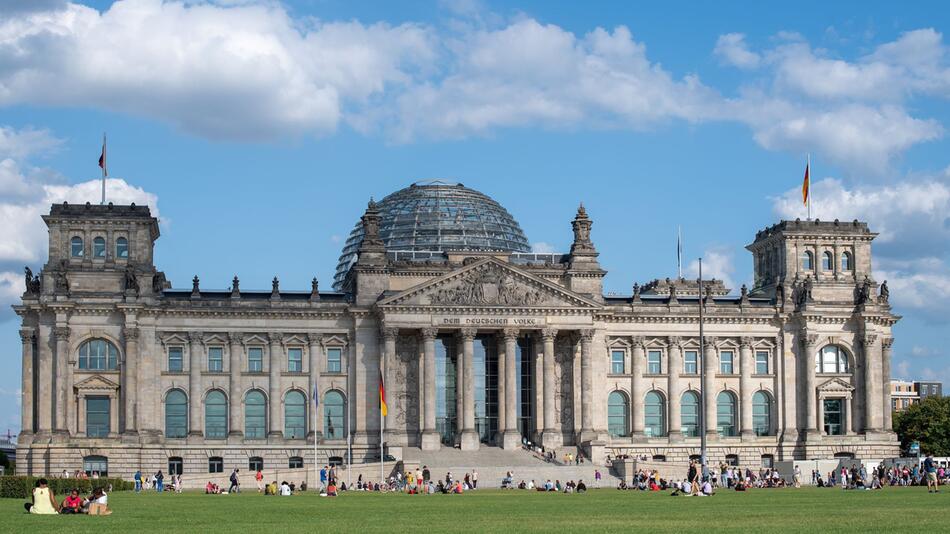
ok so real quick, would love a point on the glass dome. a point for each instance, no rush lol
(438, 216)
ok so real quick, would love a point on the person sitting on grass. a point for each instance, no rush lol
(98, 503)
(331, 489)
(580, 487)
(72, 504)
(44, 502)
(285, 490)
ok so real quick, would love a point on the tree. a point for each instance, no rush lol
(927, 422)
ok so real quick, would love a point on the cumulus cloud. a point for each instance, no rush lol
(26, 193)
(733, 50)
(543, 248)
(718, 263)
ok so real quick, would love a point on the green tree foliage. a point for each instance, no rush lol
(927, 422)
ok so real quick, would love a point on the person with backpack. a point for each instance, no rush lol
(235, 485)
(159, 481)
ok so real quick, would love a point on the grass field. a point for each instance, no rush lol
(787, 510)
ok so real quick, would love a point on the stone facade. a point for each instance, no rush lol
(476, 348)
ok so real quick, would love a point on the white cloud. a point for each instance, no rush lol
(719, 263)
(733, 50)
(26, 142)
(543, 248)
(242, 71)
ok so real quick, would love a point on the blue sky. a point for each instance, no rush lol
(259, 129)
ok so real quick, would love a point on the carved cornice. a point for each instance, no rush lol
(639, 342)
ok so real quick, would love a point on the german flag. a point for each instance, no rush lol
(806, 186)
(383, 409)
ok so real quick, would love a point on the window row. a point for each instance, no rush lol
(255, 415)
(254, 359)
(827, 261)
(77, 248)
(655, 414)
(728, 364)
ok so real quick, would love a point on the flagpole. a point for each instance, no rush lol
(702, 378)
(679, 251)
(808, 166)
(382, 393)
(316, 421)
(104, 172)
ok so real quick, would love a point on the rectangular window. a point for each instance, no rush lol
(725, 362)
(295, 360)
(97, 417)
(653, 362)
(691, 362)
(834, 417)
(175, 359)
(255, 359)
(295, 462)
(616, 362)
(761, 362)
(334, 360)
(215, 464)
(215, 359)
(175, 466)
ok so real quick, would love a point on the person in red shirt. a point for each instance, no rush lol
(72, 504)
(259, 477)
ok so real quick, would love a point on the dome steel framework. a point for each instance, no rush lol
(437, 216)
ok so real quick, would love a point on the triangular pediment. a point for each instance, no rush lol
(96, 383)
(835, 385)
(489, 283)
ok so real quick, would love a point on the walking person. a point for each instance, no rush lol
(597, 478)
(474, 479)
(159, 481)
(323, 479)
(259, 477)
(797, 477)
(930, 469)
(138, 480)
(235, 485)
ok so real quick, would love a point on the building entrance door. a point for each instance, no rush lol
(446, 400)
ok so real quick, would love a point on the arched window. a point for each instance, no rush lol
(831, 359)
(255, 415)
(96, 464)
(216, 415)
(98, 354)
(99, 247)
(75, 247)
(827, 261)
(334, 415)
(846, 263)
(176, 414)
(689, 414)
(654, 415)
(761, 413)
(618, 414)
(121, 248)
(295, 415)
(808, 263)
(726, 414)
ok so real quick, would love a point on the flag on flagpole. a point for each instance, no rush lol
(806, 184)
(383, 409)
(102, 158)
(679, 251)
(316, 397)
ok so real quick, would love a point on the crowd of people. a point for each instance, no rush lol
(44, 501)
(857, 477)
(156, 481)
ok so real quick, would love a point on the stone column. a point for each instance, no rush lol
(674, 369)
(387, 362)
(809, 349)
(501, 346)
(62, 375)
(274, 367)
(746, 363)
(469, 435)
(848, 404)
(314, 358)
(709, 388)
(551, 435)
(81, 416)
(430, 436)
(113, 414)
(44, 397)
(821, 414)
(587, 388)
(195, 389)
(235, 366)
(885, 382)
(637, 359)
(26, 384)
(130, 385)
(512, 438)
(873, 415)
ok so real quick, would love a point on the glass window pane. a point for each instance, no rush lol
(654, 414)
(98, 248)
(334, 360)
(97, 417)
(75, 247)
(761, 413)
(176, 414)
(726, 414)
(334, 415)
(121, 248)
(761, 363)
(654, 358)
(617, 414)
(690, 362)
(295, 415)
(175, 359)
(295, 360)
(215, 359)
(255, 415)
(725, 362)
(216, 415)
(255, 359)
(616, 362)
(689, 414)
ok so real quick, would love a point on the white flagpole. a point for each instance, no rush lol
(808, 166)
(104, 171)
(381, 457)
(679, 251)
(316, 421)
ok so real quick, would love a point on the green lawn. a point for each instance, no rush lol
(803, 510)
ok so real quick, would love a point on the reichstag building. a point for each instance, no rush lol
(480, 343)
